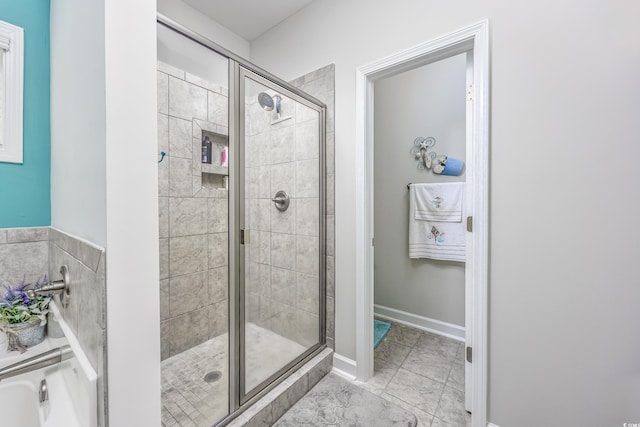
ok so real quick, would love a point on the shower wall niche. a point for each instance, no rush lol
(193, 209)
(216, 173)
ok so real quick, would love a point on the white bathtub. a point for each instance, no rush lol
(71, 385)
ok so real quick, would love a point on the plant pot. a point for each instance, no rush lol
(28, 333)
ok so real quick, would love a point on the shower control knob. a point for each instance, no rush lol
(281, 200)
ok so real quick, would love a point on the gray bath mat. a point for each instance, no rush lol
(336, 402)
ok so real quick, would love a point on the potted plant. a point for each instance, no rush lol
(23, 318)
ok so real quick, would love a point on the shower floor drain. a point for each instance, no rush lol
(213, 376)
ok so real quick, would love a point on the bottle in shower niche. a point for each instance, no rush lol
(224, 158)
(206, 150)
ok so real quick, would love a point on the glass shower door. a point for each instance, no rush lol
(281, 218)
(193, 206)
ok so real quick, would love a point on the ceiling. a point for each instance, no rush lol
(248, 18)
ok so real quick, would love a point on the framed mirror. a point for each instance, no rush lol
(11, 92)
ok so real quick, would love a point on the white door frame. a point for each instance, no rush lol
(475, 40)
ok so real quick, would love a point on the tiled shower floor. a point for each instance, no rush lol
(423, 373)
(189, 401)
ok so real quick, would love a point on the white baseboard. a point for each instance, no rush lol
(344, 367)
(419, 322)
(491, 425)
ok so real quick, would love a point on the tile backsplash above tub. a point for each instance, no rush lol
(24, 255)
(30, 253)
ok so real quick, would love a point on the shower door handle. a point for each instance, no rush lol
(244, 236)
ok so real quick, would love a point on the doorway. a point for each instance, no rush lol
(420, 293)
(473, 43)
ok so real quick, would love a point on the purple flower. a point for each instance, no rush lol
(26, 302)
(9, 294)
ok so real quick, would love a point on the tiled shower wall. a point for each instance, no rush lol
(321, 85)
(193, 220)
(24, 254)
(30, 253)
(193, 211)
(282, 279)
(283, 269)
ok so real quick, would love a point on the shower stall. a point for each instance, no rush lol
(242, 207)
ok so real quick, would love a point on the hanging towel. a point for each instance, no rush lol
(439, 202)
(435, 239)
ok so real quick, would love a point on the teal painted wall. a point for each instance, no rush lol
(25, 196)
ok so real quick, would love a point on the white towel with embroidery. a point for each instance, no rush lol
(438, 240)
(439, 202)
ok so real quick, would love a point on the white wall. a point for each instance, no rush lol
(184, 14)
(427, 101)
(563, 285)
(78, 182)
(133, 300)
(104, 178)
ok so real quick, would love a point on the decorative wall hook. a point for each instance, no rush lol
(162, 154)
(439, 164)
(420, 151)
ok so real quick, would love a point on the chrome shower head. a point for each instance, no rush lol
(277, 99)
(265, 101)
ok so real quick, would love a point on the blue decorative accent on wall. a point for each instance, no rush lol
(25, 196)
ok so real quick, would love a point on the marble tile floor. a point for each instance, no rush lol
(189, 401)
(335, 401)
(423, 373)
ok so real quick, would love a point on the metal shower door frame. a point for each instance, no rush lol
(238, 68)
(247, 73)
